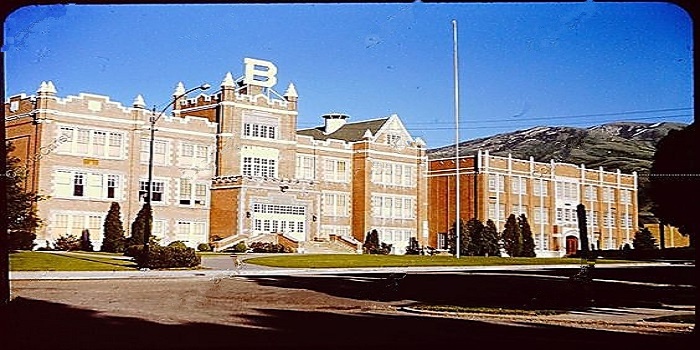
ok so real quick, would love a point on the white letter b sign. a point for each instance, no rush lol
(259, 72)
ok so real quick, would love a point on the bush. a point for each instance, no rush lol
(166, 257)
(85, 243)
(178, 244)
(264, 247)
(204, 247)
(413, 248)
(21, 240)
(68, 243)
(240, 248)
(133, 250)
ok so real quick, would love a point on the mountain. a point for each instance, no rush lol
(626, 146)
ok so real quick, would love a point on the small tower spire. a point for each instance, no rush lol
(139, 102)
(228, 81)
(291, 92)
(179, 90)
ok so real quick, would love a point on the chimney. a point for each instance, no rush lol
(334, 121)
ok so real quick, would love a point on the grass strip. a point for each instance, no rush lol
(48, 261)
(486, 310)
(366, 260)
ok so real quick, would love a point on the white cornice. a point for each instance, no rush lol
(258, 108)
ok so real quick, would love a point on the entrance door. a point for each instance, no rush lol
(571, 245)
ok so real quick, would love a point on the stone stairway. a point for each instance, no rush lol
(314, 247)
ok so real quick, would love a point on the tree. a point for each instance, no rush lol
(463, 238)
(113, 229)
(490, 239)
(372, 245)
(512, 239)
(85, 243)
(413, 247)
(138, 227)
(22, 220)
(674, 173)
(475, 230)
(644, 240)
(68, 243)
(528, 247)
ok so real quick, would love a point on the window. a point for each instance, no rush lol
(83, 141)
(156, 192)
(335, 170)
(396, 174)
(259, 130)
(305, 167)
(185, 192)
(608, 194)
(200, 194)
(259, 167)
(112, 186)
(335, 204)
(626, 196)
(518, 185)
(567, 191)
(393, 139)
(541, 215)
(86, 142)
(115, 145)
(78, 184)
(160, 151)
(591, 193)
(539, 187)
(393, 207)
(497, 181)
(99, 142)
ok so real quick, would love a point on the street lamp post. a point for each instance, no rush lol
(152, 120)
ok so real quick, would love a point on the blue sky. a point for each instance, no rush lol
(520, 64)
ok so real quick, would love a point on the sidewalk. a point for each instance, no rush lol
(254, 270)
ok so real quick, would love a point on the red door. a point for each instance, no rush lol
(571, 245)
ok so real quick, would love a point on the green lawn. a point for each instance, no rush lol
(357, 260)
(486, 310)
(82, 261)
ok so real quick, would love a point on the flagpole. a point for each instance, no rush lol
(456, 81)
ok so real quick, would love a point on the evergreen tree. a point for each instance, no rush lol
(512, 239)
(114, 239)
(644, 240)
(22, 220)
(85, 243)
(371, 245)
(138, 227)
(491, 238)
(475, 230)
(528, 247)
(413, 247)
(463, 241)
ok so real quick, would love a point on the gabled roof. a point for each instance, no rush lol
(350, 132)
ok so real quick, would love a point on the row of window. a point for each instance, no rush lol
(393, 207)
(259, 130)
(564, 190)
(88, 185)
(196, 155)
(395, 174)
(93, 143)
(395, 235)
(265, 208)
(259, 167)
(274, 225)
(343, 231)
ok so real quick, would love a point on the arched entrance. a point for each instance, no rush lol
(571, 245)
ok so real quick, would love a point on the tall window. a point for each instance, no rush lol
(391, 173)
(518, 185)
(591, 193)
(608, 194)
(185, 191)
(305, 167)
(157, 194)
(259, 167)
(539, 187)
(335, 204)
(112, 186)
(625, 196)
(497, 181)
(160, 151)
(78, 184)
(335, 170)
(541, 215)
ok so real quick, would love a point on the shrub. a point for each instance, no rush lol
(133, 250)
(178, 244)
(204, 247)
(167, 257)
(113, 229)
(240, 248)
(85, 243)
(264, 247)
(413, 248)
(21, 240)
(68, 243)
